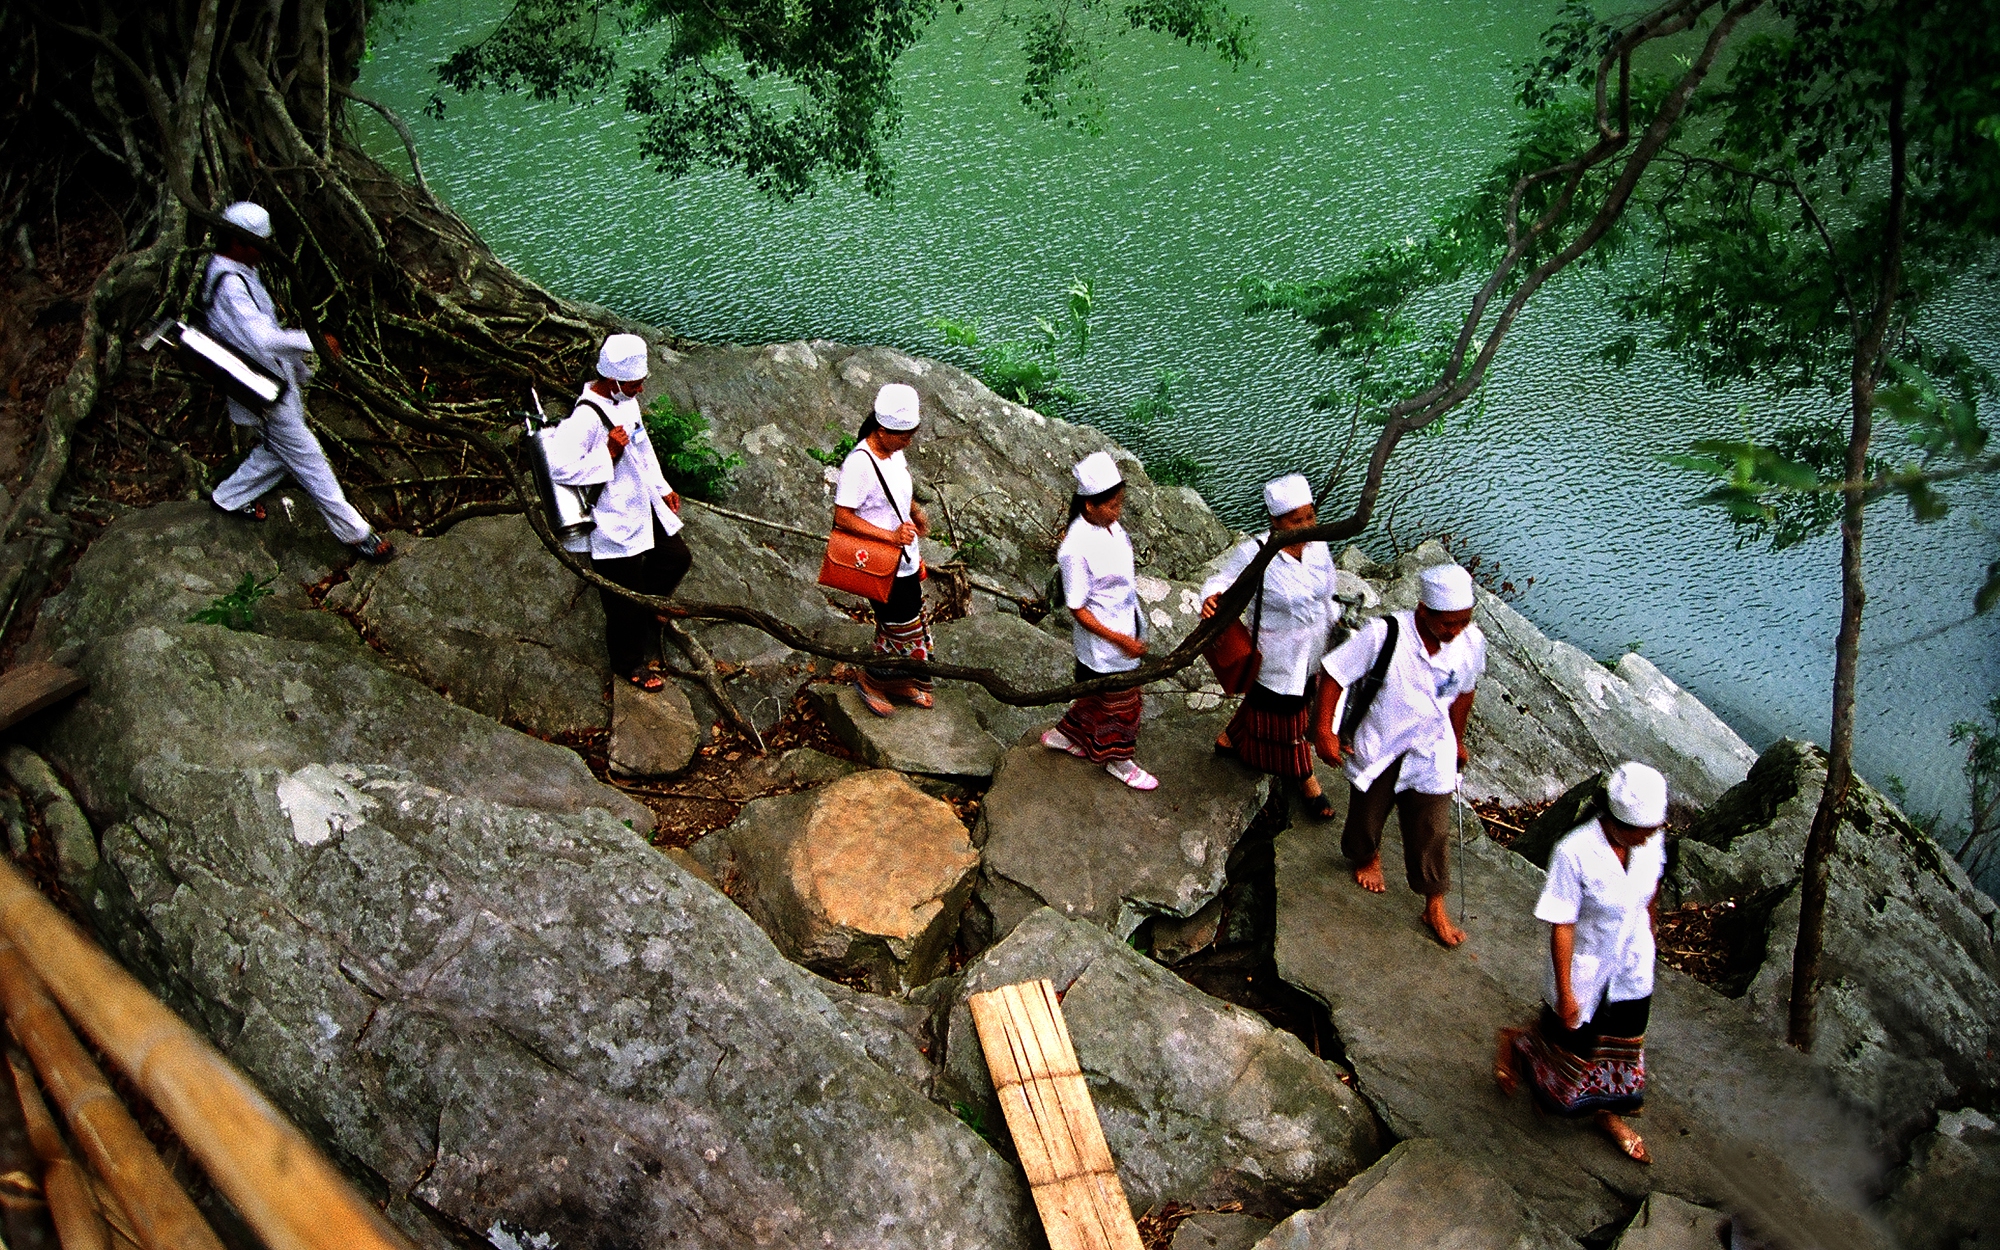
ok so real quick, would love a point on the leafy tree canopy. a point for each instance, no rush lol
(790, 92)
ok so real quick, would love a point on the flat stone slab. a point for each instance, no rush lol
(942, 741)
(1665, 1222)
(1219, 1230)
(1735, 1119)
(1062, 832)
(1423, 1195)
(653, 733)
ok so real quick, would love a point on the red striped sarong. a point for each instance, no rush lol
(1270, 732)
(1575, 1073)
(1105, 727)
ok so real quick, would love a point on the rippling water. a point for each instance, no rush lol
(1362, 116)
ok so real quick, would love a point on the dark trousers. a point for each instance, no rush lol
(905, 602)
(1426, 836)
(629, 629)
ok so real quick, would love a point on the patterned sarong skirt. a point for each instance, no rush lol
(902, 631)
(1598, 1067)
(1105, 727)
(1270, 732)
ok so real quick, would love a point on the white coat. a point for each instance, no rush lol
(1612, 959)
(1299, 610)
(1411, 715)
(1097, 573)
(635, 489)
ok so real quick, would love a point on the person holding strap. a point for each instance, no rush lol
(875, 499)
(241, 314)
(1101, 590)
(1586, 1055)
(636, 540)
(1271, 727)
(1410, 744)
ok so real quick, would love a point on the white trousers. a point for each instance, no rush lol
(289, 447)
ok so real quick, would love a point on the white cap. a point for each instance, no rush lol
(1447, 588)
(1096, 473)
(896, 407)
(1638, 796)
(251, 217)
(622, 358)
(1287, 494)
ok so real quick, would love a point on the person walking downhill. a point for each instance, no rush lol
(1586, 1054)
(1407, 748)
(1101, 590)
(1271, 727)
(242, 314)
(875, 499)
(636, 540)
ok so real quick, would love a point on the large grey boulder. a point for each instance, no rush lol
(1028, 656)
(944, 740)
(653, 733)
(1202, 1102)
(1948, 1196)
(1423, 1195)
(1060, 832)
(1908, 1017)
(513, 1020)
(1664, 1222)
(864, 877)
(996, 475)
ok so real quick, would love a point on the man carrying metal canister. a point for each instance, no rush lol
(241, 314)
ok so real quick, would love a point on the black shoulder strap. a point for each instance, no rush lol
(1257, 613)
(215, 284)
(886, 492)
(601, 414)
(1361, 699)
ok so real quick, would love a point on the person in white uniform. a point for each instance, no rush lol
(1409, 743)
(241, 314)
(1586, 1054)
(875, 499)
(1271, 729)
(635, 541)
(1101, 591)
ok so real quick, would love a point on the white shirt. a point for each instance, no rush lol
(1097, 573)
(1299, 610)
(861, 490)
(634, 488)
(1606, 901)
(241, 314)
(1411, 716)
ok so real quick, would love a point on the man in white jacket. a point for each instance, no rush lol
(241, 314)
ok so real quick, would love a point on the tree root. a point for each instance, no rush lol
(711, 681)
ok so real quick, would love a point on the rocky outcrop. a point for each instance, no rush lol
(864, 877)
(945, 740)
(1948, 1196)
(1909, 1005)
(1402, 1201)
(653, 733)
(1219, 1230)
(1201, 1102)
(1664, 1222)
(1059, 832)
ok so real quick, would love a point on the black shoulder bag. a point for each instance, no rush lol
(1362, 697)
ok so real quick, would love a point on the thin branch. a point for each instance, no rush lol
(402, 131)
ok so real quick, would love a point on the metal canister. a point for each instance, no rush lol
(567, 507)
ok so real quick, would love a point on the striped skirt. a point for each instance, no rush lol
(1270, 732)
(908, 638)
(1104, 727)
(1598, 1067)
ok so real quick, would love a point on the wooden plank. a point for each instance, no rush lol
(29, 688)
(1052, 1119)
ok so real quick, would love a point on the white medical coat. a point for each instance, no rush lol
(1606, 901)
(1411, 715)
(634, 487)
(1299, 610)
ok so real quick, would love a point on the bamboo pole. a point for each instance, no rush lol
(72, 1209)
(290, 1195)
(158, 1209)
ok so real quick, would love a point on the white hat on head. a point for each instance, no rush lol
(896, 407)
(249, 216)
(622, 358)
(1096, 473)
(1447, 588)
(1638, 796)
(1287, 494)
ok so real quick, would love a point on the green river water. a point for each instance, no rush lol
(1356, 120)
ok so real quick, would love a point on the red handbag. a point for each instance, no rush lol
(1234, 655)
(863, 566)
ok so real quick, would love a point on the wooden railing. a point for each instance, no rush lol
(51, 975)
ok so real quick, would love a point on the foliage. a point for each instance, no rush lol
(843, 442)
(974, 1118)
(237, 609)
(680, 440)
(1142, 415)
(1028, 370)
(1982, 780)
(792, 93)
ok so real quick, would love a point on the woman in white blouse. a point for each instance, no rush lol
(1586, 1055)
(1101, 591)
(876, 499)
(1272, 728)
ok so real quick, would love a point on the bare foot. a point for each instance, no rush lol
(1505, 1074)
(1439, 920)
(1627, 1138)
(1369, 876)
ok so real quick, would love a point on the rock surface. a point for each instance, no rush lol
(864, 877)
(1423, 1196)
(1909, 1009)
(1665, 1222)
(653, 734)
(1219, 1230)
(1061, 832)
(74, 841)
(946, 740)
(1202, 1102)
(1028, 656)
(1948, 1196)
(1735, 1119)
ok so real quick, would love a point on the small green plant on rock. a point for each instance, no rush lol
(843, 443)
(237, 609)
(681, 441)
(1029, 370)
